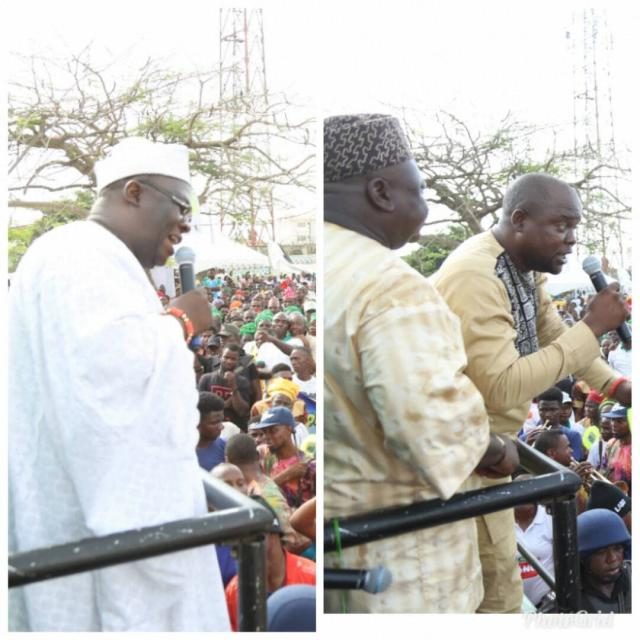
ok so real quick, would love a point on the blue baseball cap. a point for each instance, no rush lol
(617, 411)
(274, 417)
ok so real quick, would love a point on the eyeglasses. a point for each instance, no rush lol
(184, 207)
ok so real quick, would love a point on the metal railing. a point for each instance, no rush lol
(556, 484)
(236, 520)
(538, 566)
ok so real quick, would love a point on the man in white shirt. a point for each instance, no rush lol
(102, 405)
(620, 359)
(537, 538)
(534, 531)
(304, 369)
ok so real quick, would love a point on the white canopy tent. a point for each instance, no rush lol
(280, 262)
(222, 252)
(217, 253)
(573, 278)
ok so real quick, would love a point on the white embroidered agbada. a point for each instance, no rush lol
(102, 436)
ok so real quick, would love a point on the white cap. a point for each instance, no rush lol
(139, 156)
(565, 397)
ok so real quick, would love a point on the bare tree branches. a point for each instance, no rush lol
(467, 172)
(64, 115)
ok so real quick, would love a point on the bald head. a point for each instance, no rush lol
(532, 192)
(230, 474)
(540, 215)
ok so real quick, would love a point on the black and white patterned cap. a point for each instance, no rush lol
(355, 145)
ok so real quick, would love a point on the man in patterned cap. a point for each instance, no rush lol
(516, 343)
(387, 443)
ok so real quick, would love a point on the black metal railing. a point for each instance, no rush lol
(556, 484)
(236, 520)
(537, 565)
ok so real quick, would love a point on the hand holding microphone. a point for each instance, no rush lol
(607, 311)
(196, 306)
(193, 301)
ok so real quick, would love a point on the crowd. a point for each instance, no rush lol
(490, 359)
(585, 431)
(617, 354)
(255, 372)
(119, 395)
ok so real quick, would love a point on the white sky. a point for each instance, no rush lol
(478, 61)
(484, 58)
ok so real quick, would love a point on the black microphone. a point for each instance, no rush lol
(373, 580)
(186, 257)
(591, 266)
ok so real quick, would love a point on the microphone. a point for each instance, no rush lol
(373, 580)
(186, 257)
(591, 266)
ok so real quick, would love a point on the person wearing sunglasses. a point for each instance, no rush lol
(101, 430)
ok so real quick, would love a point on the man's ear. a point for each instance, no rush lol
(379, 194)
(131, 192)
(518, 219)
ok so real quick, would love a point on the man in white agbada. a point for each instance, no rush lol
(103, 403)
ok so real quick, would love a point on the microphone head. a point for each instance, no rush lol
(185, 255)
(377, 580)
(591, 265)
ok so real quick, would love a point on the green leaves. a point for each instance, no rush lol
(435, 249)
(56, 214)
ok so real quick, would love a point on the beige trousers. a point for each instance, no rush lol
(498, 556)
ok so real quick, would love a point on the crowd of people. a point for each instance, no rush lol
(255, 373)
(118, 396)
(490, 358)
(615, 352)
(589, 433)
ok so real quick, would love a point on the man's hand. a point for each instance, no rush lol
(295, 471)
(230, 379)
(533, 434)
(623, 393)
(506, 466)
(583, 469)
(262, 337)
(607, 311)
(196, 305)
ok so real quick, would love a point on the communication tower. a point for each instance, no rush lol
(591, 45)
(243, 86)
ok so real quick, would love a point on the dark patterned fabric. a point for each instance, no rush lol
(354, 145)
(521, 290)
